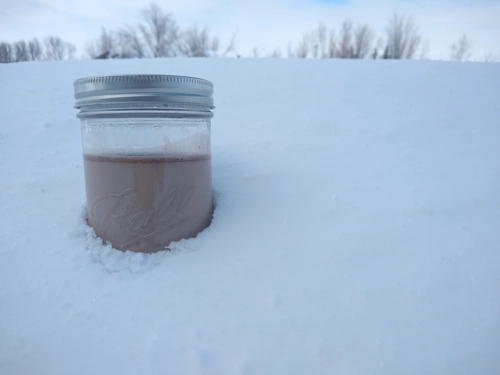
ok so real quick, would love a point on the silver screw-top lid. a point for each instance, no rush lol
(143, 91)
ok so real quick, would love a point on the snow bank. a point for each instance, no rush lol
(356, 228)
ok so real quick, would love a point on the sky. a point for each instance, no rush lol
(265, 25)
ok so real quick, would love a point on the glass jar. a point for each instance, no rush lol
(146, 152)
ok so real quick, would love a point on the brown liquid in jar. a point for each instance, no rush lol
(143, 203)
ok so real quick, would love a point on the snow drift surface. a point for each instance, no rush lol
(357, 228)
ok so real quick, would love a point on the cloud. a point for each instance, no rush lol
(267, 24)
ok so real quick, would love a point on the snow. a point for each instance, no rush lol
(356, 228)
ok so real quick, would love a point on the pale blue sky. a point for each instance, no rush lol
(267, 24)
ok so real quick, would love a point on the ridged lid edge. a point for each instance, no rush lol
(143, 78)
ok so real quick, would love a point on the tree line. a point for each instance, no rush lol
(402, 41)
(157, 34)
(51, 48)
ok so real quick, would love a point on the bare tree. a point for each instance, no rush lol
(58, 49)
(197, 42)
(131, 43)
(6, 53)
(106, 46)
(492, 57)
(156, 35)
(276, 53)
(159, 31)
(461, 50)
(314, 45)
(346, 49)
(363, 40)
(55, 48)
(35, 50)
(386, 54)
(303, 47)
(308, 46)
(332, 46)
(231, 46)
(21, 51)
(322, 40)
(403, 37)
(319, 43)
(257, 51)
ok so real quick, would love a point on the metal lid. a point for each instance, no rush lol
(143, 91)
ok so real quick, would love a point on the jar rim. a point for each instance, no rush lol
(143, 91)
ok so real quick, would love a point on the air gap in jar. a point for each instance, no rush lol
(146, 151)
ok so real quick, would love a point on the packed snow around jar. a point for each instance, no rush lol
(355, 228)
